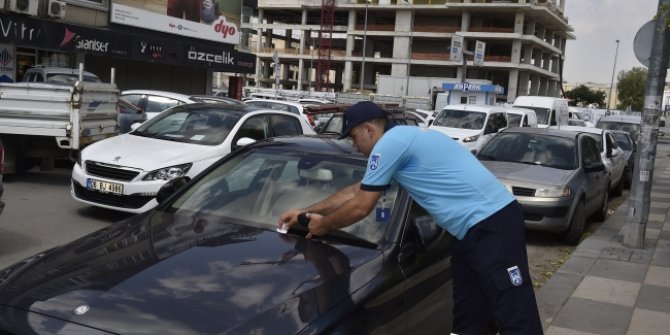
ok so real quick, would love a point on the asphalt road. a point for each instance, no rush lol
(40, 214)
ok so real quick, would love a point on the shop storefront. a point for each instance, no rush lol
(142, 59)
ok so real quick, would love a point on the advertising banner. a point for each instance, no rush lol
(7, 63)
(214, 20)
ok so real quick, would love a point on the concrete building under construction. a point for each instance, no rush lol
(345, 45)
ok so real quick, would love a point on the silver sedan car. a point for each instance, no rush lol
(558, 177)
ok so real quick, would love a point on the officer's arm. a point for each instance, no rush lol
(352, 211)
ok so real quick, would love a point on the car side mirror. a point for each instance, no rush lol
(597, 167)
(243, 141)
(427, 229)
(170, 188)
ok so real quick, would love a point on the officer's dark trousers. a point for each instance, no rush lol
(484, 292)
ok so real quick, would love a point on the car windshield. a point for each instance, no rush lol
(68, 79)
(203, 125)
(631, 128)
(454, 118)
(514, 120)
(541, 113)
(256, 186)
(534, 149)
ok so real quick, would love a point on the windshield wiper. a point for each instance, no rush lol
(337, 236)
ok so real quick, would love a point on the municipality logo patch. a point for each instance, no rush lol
(374, 161)
(515, 275)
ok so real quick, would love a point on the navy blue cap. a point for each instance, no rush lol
(360, 112)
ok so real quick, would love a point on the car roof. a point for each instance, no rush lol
(54, 69)
(621, 118)
(474, 108)
(173, 95)
(544, 131)
(313, 143)
(590, 130)
(286, 102)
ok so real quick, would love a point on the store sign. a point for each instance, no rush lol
(223, 59)
(214, 20)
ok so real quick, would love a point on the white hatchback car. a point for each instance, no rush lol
(470, 125)
(613, 157)
(125, 172)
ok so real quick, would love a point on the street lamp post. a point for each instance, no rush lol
(365, 35)
(609, 96)
(409, 55)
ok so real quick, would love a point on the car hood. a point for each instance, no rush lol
(458, 133)
(525, 175)
(147, 153)
(160, 273)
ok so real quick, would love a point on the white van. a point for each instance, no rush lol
(550, 111)
(471, 125)
(521, 117)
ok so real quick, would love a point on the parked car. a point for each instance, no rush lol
(557, 176)
(628, 123)
(129, 114)
(576, 122)
(216, 99)
(57, 75)
(612, 156)
(209, 260)
(282, 105)
(470, 125)
(154, 102)
(2, 167)
(629, 147)
(125, 172)
(335, 112)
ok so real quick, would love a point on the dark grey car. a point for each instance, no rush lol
(558, 177)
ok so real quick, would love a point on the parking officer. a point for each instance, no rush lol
(490, 267)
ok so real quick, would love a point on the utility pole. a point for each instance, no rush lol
(638, 201)
(609, 96)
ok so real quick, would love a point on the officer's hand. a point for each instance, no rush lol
(316, 225)
(288, 218)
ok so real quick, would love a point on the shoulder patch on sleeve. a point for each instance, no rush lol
(374, 161)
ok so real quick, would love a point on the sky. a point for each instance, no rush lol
(597, 25)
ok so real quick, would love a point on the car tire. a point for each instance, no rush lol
(574, 232)
(601, 214)
(618, 189)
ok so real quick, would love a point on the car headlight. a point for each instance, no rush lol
(553, 192)
(168, 173)
(470, 139)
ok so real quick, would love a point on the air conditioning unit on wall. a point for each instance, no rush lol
(55, 8)
(23, 6)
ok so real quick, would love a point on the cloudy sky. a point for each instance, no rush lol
(597, 25)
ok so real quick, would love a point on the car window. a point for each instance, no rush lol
(514, 120)
(133, 98)
(334, 125)
(590, 152)
(496, 122)
(285, 125)
(623, 141)
(256, 186)
(157, 104)
(255, 127)
(464, 119)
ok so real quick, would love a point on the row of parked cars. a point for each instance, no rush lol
(209, 249)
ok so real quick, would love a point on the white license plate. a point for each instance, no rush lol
(103, 186)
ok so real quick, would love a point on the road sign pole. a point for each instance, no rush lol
(639, 199)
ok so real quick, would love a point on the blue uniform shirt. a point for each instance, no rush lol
(440, 175)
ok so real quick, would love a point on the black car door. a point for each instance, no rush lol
(425, 261)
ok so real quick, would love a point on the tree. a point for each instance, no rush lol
(631, 85)
(584, 96)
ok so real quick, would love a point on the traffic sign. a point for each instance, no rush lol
(456, 50)
(480, 47)
(643, 41)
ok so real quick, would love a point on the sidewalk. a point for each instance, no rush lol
(607, 288)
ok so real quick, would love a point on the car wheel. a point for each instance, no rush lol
(576, 228)
(601, 214)
(618, 189)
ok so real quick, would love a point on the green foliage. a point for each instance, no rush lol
(584, 96)
(631, 85)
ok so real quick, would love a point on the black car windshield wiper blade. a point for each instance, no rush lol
(337, 236)
(487, 157)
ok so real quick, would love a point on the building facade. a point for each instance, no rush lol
(148, 46)
(524, 42)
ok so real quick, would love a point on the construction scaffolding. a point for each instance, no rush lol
(325, 45)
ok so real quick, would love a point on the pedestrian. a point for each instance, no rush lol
(492, 283)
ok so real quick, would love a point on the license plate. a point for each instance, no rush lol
(103, 186)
